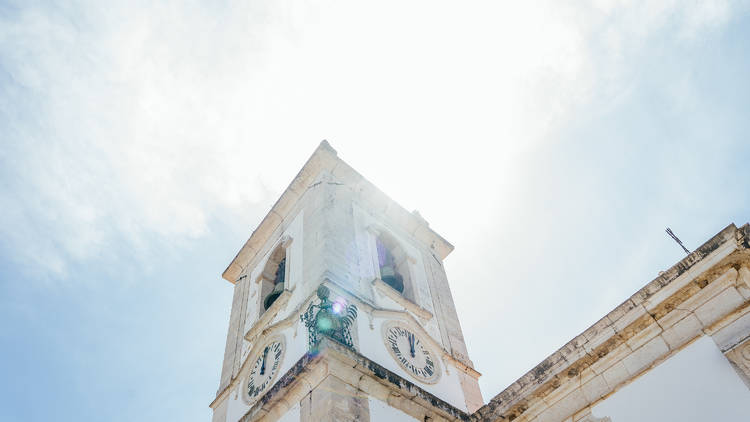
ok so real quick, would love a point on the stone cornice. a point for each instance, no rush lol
(325, 158)
(358, 371)
(698, 295)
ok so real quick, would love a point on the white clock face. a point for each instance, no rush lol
(411, 353)
(265, 368)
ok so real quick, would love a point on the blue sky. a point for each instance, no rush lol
(141, 143)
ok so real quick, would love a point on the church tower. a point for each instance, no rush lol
(342, 311)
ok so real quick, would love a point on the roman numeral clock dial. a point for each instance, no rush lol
(265, 367)
(411, 352)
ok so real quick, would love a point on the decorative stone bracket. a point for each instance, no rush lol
(740, 359)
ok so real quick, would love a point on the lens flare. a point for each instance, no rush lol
(338, 306)
(324, 324)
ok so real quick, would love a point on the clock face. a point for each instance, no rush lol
(411, 353)
(264, 368)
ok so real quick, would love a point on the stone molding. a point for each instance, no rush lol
(262, 330)
(740, 359)
(407, 304)
(699, 295)
(268, 316)
(366, 376)
(733, 336)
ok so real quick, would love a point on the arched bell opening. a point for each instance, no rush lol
(393, 264)
(273, 279)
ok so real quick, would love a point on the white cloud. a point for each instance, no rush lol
(154, 120)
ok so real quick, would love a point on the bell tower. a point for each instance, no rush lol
(342, 311)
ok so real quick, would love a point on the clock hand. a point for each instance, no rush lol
(411, 344)
(263, 365)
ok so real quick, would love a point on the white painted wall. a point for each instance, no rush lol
(381, 412)
(697, 384)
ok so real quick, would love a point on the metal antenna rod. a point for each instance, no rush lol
(676, 239)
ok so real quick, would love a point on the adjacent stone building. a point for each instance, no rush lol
(342, 311)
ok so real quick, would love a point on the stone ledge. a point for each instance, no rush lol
(644, 341)
(268, 315)
(360, 372)
(401, 300)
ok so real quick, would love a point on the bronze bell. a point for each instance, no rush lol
(278, 289)
(392, 278)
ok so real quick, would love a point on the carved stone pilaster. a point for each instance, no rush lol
(739, 356)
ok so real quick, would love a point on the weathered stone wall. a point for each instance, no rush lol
(333, 400)
(381, 411)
